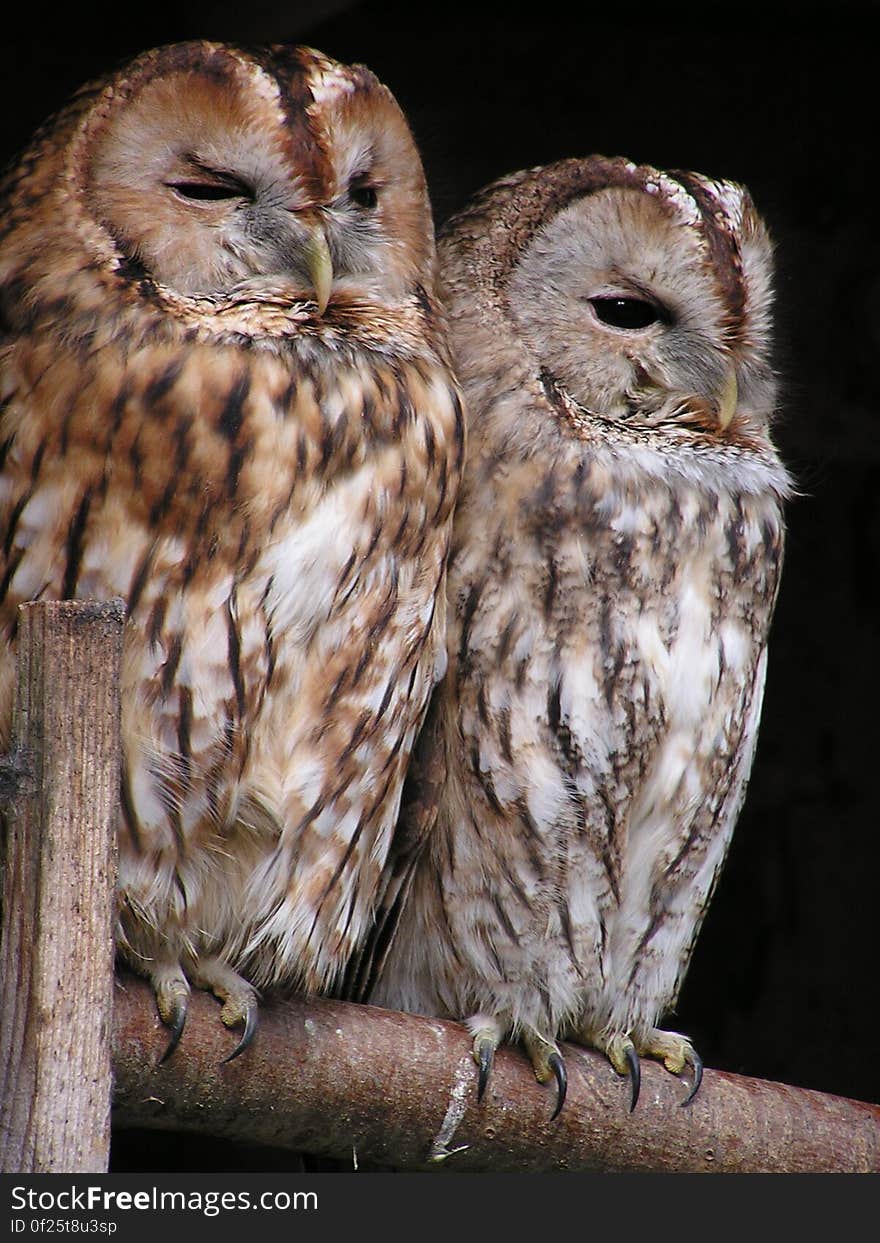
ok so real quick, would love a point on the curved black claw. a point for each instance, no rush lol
(635, 1076)
(250, 1026)
(697, 1063)
(485, 1058)
(175, 1025)
(557, 1065)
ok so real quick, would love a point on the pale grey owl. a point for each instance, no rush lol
(615, 563)
(226, 399)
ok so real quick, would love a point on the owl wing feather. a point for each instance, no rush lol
(419, 809)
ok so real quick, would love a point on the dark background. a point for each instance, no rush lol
(784, 98)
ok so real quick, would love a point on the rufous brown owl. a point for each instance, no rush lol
(226, 399)
(615, 563)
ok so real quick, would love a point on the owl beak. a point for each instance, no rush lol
(727, 400)
(320, 265)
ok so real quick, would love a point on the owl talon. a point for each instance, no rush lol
(547, 1062)
(484, 1054)
(557, 1065)
(635, 1075)
(676, 1053)
(240, 999)
(697, 1063)
(175, 1021)
(624, 1057)
(488, 1032)
(250, 1027)
(171, 990)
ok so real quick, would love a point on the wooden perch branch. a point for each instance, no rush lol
(61, 787)
(333, 1079)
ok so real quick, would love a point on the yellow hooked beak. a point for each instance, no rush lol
(320, 265)
(727, 400)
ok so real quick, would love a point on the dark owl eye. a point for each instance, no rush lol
(363, 195)
(626, 312)
(211, 191)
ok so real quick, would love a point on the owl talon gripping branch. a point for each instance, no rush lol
(697, 1067)
(547, 1061)
(171, 990)
(634, 1069)
(240, 1000)
(488, 1032)
(250, 1027)
(674, 1051)
(175, 1022)
(557, 1065)
(624, 1057)
(484, 1056)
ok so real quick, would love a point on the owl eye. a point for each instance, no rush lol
(363, 195)
(211, 191)
(628, 313)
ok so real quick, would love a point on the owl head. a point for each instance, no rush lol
(204, 169)
(642, 297)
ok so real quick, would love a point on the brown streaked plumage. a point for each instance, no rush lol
(616, 555)
(226, 399)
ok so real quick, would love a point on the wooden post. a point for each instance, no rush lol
(56, 960)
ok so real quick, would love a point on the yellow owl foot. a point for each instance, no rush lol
(240, 999)
(172, 990)
(488, 1033)
(675, 1052)
(547, 1061)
